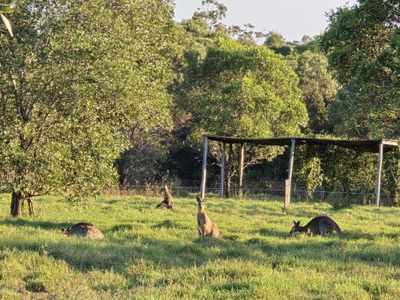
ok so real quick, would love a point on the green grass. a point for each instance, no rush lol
(153, 254)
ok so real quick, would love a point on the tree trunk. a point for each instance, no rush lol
(30, 205)
(16, 204)
(241, 168)
(228, 188)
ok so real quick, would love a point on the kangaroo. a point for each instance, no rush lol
(84, 229)
(167, 202)
(321, 225)
(206, 226)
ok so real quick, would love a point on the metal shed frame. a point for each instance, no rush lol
(373, 146)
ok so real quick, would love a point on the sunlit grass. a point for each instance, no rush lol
(155, 253)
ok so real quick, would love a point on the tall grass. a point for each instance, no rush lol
(155, 253)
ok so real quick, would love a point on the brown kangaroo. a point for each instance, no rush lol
(167, 202)
(84, 229)
(206, 226)
(320, 225)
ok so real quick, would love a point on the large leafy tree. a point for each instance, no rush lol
(318, 87)
(276, 42)
(362, 46)
(75, 81)
(244, 91)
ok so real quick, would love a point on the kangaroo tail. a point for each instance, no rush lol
(161, 205)
(338, 230)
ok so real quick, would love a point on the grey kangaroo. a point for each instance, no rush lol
(206, 226)
(320, 225)
(84, 229)
(167, 202)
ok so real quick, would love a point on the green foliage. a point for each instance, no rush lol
(150, 253)
(240, 90)
(276, 42)
(308, 44)
(78, 78)
(346, 176)
(361, 45)
(308, 171)
(319, 89)
(6, 6)
(351, 172)
(213, 12)
(244, 91)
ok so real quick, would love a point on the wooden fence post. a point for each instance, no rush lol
(379, 174)
(288, 182)
(241, 168)
(222, 179)
(204, 168)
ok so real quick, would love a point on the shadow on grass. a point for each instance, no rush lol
(118, 253)
(35, 223)
(121, 227)
(357, 235)
(276, 233)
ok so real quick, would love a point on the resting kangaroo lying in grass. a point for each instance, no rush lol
(84, 229)
(321, 225)
(206, 226)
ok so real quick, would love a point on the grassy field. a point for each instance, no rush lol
(156, 254)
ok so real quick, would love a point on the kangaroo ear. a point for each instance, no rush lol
(298, 223)
(198, 199)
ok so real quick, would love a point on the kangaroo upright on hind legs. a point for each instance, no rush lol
(205, 225)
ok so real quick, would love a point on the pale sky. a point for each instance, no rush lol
(292, 18)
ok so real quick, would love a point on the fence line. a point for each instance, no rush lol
(270, 189)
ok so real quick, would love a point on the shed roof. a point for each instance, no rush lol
(357, 145)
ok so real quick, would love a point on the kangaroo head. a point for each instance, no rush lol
(201, 202)
(64, 230)
(295, 228)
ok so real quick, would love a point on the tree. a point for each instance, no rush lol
(309, 174)
(247, 91)
(75, 80)
(276, 42)
(362, 47)
(244, 91)
(362, 44)
(319, 89)
(213, 12)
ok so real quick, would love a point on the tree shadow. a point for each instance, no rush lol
(357, 235)
(276, 233)
(35, 223)
(119, 252)
(121, 227)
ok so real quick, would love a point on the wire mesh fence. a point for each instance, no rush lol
(266, 190)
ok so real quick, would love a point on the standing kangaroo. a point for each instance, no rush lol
(167, 202)
(206, 226)
(321, 225)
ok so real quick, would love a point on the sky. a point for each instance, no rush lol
(292, 18)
